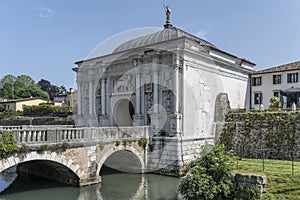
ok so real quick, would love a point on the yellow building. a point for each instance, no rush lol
(18, 104)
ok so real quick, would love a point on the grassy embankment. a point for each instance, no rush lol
(281, 183)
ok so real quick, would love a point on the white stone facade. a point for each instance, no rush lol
(170, 83)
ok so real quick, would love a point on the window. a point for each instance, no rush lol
(292, 77)
(256, 81)
(276, 94)
(257, 98)
(277, 79)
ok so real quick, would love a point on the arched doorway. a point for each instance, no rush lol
(124, 112)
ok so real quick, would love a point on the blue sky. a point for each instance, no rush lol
(43, 39)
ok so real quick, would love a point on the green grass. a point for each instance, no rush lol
(281, 183)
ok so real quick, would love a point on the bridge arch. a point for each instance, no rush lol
(129, 150)
(46, 158)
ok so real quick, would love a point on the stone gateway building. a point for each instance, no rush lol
(172, 81)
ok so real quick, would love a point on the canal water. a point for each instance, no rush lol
(114, 186)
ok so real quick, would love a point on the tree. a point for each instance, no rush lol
(274, 102)
(210, 178)
(62, 90)
(22, 86)
(51, 89)
(7, 86)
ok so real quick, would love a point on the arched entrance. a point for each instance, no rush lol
(124, 112)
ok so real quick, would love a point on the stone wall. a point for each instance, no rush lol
(270, 135)
(170, 155)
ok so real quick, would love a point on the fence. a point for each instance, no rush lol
(263, 163)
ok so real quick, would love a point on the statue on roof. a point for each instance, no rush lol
(168, 16)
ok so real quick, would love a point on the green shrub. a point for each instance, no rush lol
(65, 146)
(8, 145)
(143, 142)
(43, 147)
(245, 193)
(45, 109)
(210, 178)
(56, 147)
(151, 147)
(129, 142)
(24, 149)
(60, 147)
(15, 121)
(9, 113)
(52, 121)
(274, 102)
(117, 143)
(101, 145)
(162, 133)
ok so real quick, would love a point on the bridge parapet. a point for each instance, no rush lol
(80, 164)
(8, 128)
(33, 135)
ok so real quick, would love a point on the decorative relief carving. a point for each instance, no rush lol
(149, 100)
(168, 100)
(147, 77)
(173, 124)
(167, 79)
(148, 87)
(98, 99)
(125, 84)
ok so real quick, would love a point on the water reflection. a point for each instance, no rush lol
(7, 177)
(114, 186)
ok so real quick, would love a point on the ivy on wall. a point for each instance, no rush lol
(262, 134)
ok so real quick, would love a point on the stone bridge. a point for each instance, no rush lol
(45, 154)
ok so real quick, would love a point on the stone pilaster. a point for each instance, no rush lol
(155, 86)
(138, 119)
(176, 123)
(103, 95)
(176, 118)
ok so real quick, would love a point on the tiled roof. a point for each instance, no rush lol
(281, 68)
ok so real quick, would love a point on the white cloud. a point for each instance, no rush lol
(201, 34)
(45, 12)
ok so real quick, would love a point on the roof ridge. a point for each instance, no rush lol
(284, 67)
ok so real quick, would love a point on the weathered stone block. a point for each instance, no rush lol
(11, 160)
(250, 180)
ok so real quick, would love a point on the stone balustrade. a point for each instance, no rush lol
(7, 128)
(31, 135)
